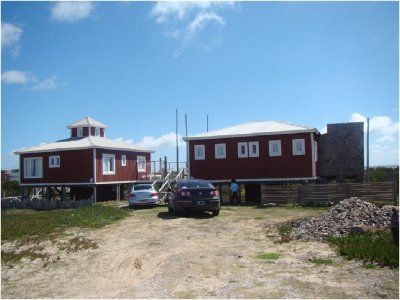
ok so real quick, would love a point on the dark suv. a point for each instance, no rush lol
(194, 195)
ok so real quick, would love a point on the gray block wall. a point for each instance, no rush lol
(341, 152)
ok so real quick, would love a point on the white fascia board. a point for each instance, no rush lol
(27, 151)
(196, 138)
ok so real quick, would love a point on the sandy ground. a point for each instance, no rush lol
(154, 255)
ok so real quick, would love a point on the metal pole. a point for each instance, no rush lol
(186, 123)
(177, 148)
(367, 149)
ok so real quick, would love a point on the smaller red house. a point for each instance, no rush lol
(254, 153)
(87, 162)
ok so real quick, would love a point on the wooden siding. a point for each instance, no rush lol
(122, 173)
(75, 167)
(262, 167)
(324, 194)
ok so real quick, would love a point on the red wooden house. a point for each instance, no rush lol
(87, 162)
(254, 153)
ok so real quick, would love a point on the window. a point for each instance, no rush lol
(54, 161)
(141, 163)
(97, 131)
(254, 149)
(79, 131)
(199, 152)
(123, 160)
(242, 150)
(275, 148)
(298, 147)
(220, 151)
(33, 167)
(108, 164)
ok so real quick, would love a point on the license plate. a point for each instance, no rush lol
(200, 203)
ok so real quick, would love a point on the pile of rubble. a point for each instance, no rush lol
(350, 215)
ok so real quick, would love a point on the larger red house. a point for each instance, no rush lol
(88, 163)
(266, 151)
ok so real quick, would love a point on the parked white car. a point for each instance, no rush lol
(143, 194)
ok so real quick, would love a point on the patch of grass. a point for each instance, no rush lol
(370, 247)
(33, 225)
(78, 243)
(268, 256)
(14, 256)
(322, 261)
(285, 232)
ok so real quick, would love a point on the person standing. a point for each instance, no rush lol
(234, 192)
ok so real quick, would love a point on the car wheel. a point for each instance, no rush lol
(215, 213)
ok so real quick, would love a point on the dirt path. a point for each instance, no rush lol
(153, 255)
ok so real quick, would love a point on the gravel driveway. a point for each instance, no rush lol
(152, 254)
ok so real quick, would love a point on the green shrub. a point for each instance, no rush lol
(370, 247)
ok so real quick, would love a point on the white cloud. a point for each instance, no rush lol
(46, 84)
(156, 143)
(165, 141)
(183, 21)
(170, 11)
(16, 77)
(10, 37)
(201, 20)
(71, 12)
(384, 138)
(382, 125)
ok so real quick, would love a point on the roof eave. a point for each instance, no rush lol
(215, 137)
(27, 151)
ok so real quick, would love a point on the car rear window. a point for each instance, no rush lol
(142, 187)
(196, 185)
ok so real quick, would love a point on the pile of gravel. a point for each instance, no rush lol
(349, 215)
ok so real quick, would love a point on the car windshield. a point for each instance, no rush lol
(196, 185)
(142, 187)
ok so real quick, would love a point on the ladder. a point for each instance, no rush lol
(169, 183)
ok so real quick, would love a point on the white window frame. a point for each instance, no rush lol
(199, 152)
(257, 152)
(271, 147)
(108, 164)
(240, 154)
(220, 151)
(296, 150)
(123, 160)
(54, 161)
(33, 167)
(141, 163)
(79, 132)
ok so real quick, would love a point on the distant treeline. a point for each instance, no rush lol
(381, 174)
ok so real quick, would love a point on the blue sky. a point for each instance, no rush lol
(132, 64)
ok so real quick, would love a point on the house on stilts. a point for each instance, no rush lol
(87, 164)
